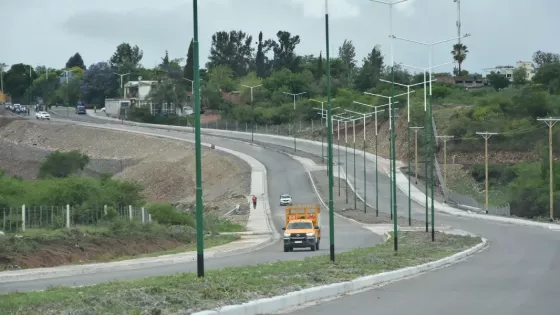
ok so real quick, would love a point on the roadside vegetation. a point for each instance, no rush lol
(101, 228)
(187, 293)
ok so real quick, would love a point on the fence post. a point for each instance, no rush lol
(226, 129)
(246, 127)
(130, 212)
(277, 129)
(143, 215)
(23, 218)
(149, 217)
(236, 124)
(313, 126)
(105, 209)
(67, 216)
(266, 128)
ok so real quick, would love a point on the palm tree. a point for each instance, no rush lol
(459, 53)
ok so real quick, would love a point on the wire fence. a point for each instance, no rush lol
(469, 203)
(20, 219)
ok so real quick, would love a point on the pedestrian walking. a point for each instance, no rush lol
(254, 202)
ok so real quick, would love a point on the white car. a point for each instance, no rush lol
(285, 200)
(42, 115)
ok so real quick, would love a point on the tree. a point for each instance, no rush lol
(17, 80)
(459, 53)
(188, 72)
(371, 70)
(548, 75)
(320, 69)
(231, 49)
(75, 61)
(63, 164)
(3, 67)
(497, 80)
(168, 92)
(284, 51)
(541, 58)
(262, 63)
(126, 58)
(99, 82)
(347, 53)
(520, 76)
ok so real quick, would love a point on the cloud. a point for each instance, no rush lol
(338, 9)
(407, 8)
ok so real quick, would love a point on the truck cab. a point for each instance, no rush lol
(302, 228)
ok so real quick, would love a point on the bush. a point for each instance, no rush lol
(498, 174)
(168, 215)
(63, 164)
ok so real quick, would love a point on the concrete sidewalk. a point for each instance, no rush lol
(259, 224)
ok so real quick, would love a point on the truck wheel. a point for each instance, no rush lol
(286, 249)
(313, 247)
(317, 245)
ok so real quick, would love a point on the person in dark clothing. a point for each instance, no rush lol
(254, 202)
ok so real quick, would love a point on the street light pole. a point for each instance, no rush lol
(294, 96)
(198, 149)
(322, 127)
(329, 117)
(429, 116)
(550, 122)
(253, 108)
(416, 129)
(122, 87)
(445, 139)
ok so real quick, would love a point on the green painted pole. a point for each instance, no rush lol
(426, 163)
(393, 162)
(338, 152)
(322, 140)
(355, 187)
(376, 175)
(198, 149)
(365, 181)
(330, 148)
(409, 198)
(346, 172)
(432, 176)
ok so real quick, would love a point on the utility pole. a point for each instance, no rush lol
(550, 122)
(416, 129)
(329, 117)
(122, 86)
(486, 136)
(294, 96)
(445, 139)
(253, 108)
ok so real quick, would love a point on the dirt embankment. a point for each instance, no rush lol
(165, 168)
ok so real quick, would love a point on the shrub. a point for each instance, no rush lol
(168, 215)
(63, 164)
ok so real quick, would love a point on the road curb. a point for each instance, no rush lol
(142, 263)
(316, 294)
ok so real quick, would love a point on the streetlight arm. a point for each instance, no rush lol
(409, 40)
(367, 93)
(406, 85)
(404, 93)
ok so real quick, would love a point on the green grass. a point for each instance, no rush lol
(185, 292)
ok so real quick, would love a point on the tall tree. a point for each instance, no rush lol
(497, 80)
(99, 82)
(231, 49)
(188, 72)
(541, 58)
(260, 57)
(371, 70)
(126, 58)
(76, 61)
(17, 80)
(284, 51)
(320, 69)
(520, 76)
(459, 53)
(347, 53)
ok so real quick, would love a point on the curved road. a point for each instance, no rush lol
(518, 274)
(285, 175)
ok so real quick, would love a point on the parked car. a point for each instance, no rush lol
(42, 115)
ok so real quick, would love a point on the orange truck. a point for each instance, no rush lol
(302, 228)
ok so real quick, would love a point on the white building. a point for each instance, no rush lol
(139, 91)
(508, 70)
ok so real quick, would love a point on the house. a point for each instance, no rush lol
(464, 81)
(508, 70)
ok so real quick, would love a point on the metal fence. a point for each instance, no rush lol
(20, 219)
(469, 203)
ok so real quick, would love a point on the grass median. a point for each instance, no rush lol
(186, 293)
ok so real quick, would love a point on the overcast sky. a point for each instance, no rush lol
(48, 32)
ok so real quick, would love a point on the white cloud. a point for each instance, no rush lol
(338, 9)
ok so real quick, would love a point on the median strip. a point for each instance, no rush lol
(187, 293)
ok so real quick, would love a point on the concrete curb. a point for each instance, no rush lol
(258, 187)
(316, 294)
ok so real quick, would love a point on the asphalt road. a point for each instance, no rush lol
(285, 174)
(518, 274)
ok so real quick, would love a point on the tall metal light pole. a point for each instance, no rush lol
(122, 87)
(376, 157)
(294, 96)
(329, 117)
(416, 129)
(486, 136)
(253, 108)
(429, 116)
(445, 138)
(322, 133)
(339, 119)
(198, 149)
(365, 115)
(550, 122)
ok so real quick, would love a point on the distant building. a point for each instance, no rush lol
(508, 70)
(468, 82)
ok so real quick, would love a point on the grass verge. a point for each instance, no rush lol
(120, 240)
(187, 293)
